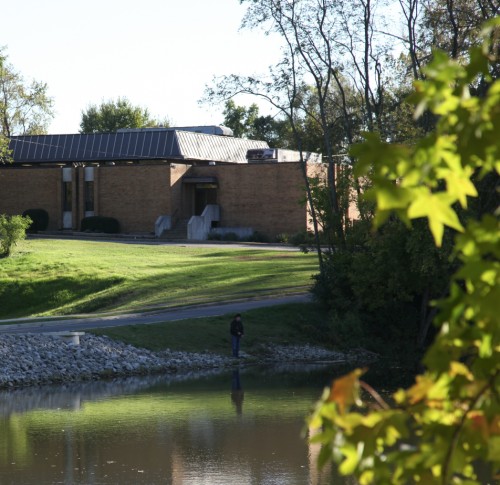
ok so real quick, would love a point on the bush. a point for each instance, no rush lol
(281, 238)
(39, 218)
(349, 331)
(108, 225)
(214, 236)
(230, 236)
(12, 230)
(302, 238)
(259, 237)
(382, 284)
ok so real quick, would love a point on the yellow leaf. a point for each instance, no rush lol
(419, 390)
(345, 391)
(352, 456)
(436, 470)
(367, 477)
(457, 368)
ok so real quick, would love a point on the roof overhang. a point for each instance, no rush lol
(199, 180)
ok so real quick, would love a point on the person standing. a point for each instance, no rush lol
(237, 332)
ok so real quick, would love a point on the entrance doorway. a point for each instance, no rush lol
(204, 194)
(198, 192)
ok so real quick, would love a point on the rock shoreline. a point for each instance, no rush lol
(37, 359)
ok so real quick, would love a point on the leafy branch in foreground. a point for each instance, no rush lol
(446, 427)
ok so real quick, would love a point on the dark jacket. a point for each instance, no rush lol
(237, 328)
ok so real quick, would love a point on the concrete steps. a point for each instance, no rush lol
(178, 232)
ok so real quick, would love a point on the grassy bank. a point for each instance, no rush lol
(293, 324)
(61, 277)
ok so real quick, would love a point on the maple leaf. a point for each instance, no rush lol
(345, 390)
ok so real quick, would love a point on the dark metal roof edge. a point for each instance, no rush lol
(168, 144)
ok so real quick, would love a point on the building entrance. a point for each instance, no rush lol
(204, 195)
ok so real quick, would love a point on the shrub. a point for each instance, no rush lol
(388, 279)
(281, 238)
(302, 238)
(259, 237)
(214, 236)
(230, 236)
(39, 218)
(108, 225)
(12, 230)
(349, 331)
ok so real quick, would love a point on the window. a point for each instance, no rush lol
(89, 196)
(67, 197)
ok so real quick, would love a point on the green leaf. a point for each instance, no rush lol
(390, 196)
(352, 456)
(459, 186)
(494, 448)
(437, 209)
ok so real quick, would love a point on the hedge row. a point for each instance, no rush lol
(39, 218)
(108, 225)
(40, 222)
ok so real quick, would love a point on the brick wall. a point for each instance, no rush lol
(264, 196)
(134, 194)
(31, 188)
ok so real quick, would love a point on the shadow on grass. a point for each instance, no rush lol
(214, 280)
(25, 298)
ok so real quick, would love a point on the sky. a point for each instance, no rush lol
(159, 54)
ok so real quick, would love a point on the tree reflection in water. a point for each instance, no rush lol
(164, 429)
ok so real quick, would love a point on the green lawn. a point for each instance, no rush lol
(292, 324)
(61, 277)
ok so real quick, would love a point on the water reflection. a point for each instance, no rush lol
(164, 430)
(237, 393)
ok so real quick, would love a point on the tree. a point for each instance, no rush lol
(305, 28)
(112, 115)
(239, 118)
(247, 123)
(12, 230)
(4, 141)
(5, 153)
(330, 80)
(453, 26)
(448, 422)
(25, 108)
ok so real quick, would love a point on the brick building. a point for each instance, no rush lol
(173, 182)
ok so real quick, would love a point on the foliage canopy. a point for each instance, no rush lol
(112, 115)
(25, 107)
(449, 421)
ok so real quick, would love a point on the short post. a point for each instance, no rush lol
(71, 338)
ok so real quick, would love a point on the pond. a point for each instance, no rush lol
(240, 426)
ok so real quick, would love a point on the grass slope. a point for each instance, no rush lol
(294, 324)
(61, 277)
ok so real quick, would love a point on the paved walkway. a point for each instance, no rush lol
(180, 313)
(149, 240)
